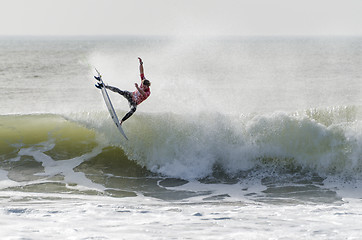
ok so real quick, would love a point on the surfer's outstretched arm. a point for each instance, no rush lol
(142, 74)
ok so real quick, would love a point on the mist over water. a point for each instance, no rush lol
(238, 76)
(255, 75)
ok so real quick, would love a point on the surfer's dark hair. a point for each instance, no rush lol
(147, 82)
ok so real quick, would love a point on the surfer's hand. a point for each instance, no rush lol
(140, 60)
(136, 85)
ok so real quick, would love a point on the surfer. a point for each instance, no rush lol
(134, 98)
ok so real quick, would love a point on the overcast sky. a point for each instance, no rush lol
(181, 17)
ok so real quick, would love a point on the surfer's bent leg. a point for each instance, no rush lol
(128, 96)
(117, 90)
(133, 109)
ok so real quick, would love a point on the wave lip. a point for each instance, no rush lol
(190, 147)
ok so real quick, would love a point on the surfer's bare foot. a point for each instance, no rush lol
(120, 123)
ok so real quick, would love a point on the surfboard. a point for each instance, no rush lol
(109, 105)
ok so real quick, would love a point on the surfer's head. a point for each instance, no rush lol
(146, 83)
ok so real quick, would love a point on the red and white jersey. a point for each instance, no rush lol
(137, 96)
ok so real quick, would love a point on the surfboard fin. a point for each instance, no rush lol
(98, 85)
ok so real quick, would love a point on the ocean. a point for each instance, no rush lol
(241, 138)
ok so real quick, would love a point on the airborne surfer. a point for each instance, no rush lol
(134, 98)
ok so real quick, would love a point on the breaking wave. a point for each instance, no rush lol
(326, 142)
